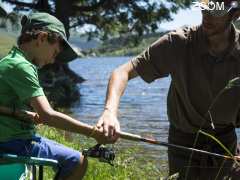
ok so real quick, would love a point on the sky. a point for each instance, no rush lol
(183, 17)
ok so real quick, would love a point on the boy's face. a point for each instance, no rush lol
(46, 52)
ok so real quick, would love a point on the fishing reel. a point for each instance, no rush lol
(104, 154)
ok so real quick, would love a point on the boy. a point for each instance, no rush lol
(42, 40)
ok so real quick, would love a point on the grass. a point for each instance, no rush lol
(127, 165)
(6, 42)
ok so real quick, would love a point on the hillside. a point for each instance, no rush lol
(83, 43)
(126, 46)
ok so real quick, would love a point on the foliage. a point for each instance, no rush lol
(127, 165)
(6, 43)
(126, 46)
(107, 18)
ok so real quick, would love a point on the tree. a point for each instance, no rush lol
(107, 18)
(3, 15)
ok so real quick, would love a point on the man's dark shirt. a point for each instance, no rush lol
(197, 78)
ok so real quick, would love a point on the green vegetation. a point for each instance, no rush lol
(128, 163)
(6, 43)
(106, 18)
(126, 46)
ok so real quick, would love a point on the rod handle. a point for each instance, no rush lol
(129, 136)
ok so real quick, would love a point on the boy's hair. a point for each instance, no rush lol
(32, 34)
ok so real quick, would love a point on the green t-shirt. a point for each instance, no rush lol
(18, 83)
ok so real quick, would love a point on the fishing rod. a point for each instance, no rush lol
(28, 116)
(138, 138)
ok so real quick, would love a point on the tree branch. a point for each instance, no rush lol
(89, 8)
(18, 3)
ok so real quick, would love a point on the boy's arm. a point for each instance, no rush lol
(62, 121)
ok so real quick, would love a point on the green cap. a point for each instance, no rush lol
(45, 21)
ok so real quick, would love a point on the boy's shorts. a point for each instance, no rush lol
(44, 148)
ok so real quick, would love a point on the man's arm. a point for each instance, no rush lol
(62, 121)
(117, 83)
(159, 60)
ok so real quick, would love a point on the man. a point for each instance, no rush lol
(42, 40)
(201, 61)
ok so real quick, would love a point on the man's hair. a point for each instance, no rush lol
(32, 34)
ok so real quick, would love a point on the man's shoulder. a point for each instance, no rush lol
(184, 33)
(179, 37)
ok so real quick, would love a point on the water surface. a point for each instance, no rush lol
(143, 106)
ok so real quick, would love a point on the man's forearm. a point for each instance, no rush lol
(116, 87)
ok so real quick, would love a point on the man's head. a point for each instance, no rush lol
(47, 37)
(219, 14)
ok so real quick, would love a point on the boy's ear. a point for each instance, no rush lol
(42, 36)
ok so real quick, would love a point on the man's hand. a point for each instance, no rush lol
(109, 125)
